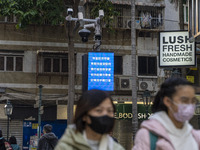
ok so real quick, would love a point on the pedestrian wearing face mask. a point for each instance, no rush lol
(93, 121)
(168, 128)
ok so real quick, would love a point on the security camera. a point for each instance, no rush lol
(80, 15)
(101, 14)
(84, 33)
(69, 11)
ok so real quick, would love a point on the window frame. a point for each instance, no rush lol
(147, 62)
(185, 13)
(14, 65)
(52, 56)
(121, 65)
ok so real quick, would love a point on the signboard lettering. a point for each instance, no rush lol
(176, 49)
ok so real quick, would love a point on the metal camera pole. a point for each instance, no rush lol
(94, 23)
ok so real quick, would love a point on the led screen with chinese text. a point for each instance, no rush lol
(101, 71)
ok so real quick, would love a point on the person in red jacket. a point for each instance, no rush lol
(173, 107)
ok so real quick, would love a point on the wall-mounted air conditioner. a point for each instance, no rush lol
(146, 85)
(125, 83)
(128, 23)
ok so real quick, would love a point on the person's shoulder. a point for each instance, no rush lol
(142, 132)
(117, 146)
(3, 140)
(42, 138)
(50, 135)
(113, 144)
(72, 139)
(142, 137)
(70, 130)
(196, 135)
(70, 134)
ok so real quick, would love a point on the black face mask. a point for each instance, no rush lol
(101, 125)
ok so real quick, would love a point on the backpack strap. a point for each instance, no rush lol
(153, 140)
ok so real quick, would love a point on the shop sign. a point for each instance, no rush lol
(190, 78)
(176, 49)
(124, 111)
(34, 125)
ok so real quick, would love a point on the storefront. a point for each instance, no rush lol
(30, 139)
(123, 125)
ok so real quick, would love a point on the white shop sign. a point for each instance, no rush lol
(176, 49)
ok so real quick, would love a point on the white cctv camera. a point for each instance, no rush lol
(69, 11)
(101, 13)
(80, 16)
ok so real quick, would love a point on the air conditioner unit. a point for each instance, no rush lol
(146, 85)
(128, 23)
(125, 83)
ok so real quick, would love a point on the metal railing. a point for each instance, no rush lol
(141, 23)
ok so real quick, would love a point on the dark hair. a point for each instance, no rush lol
(168, 89)
(47, 128)
(89, 100)
(1, 133)
(13, 140)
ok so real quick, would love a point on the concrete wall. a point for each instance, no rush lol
(2, 114)
(127, 65)
(79, 63)
(171, 16)
(29, 61)
(147, 46)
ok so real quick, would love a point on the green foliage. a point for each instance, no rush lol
(109, 11)
(33, 11)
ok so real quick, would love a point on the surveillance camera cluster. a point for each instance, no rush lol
(84, 33)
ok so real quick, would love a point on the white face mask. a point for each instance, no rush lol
(185, 112)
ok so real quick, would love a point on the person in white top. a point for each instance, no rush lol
(173, 107)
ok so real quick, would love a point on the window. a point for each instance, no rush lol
(149, 17)
(55, 63)
(11, 18)
(147, 66)
(11, 63)
(117, 64)
(1, 62)
(185, 11)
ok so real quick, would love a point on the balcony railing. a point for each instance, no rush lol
(146, 22)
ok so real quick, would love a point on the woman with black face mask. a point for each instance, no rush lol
(94, 120)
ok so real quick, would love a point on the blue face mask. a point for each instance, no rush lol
(102, 124)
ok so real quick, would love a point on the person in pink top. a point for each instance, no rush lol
(169, 128)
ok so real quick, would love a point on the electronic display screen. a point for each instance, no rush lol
(101, 71)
